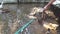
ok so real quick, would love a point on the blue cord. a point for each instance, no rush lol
(26, 25)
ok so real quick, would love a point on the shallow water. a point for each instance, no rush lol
(16, 18)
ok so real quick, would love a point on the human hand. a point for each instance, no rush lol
(45, 8)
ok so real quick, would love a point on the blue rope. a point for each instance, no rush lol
(26, 25)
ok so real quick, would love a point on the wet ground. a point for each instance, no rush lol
(10, 22)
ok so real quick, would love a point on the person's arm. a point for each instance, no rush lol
(48, 5)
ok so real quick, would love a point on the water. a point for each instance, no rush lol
(17, 18)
